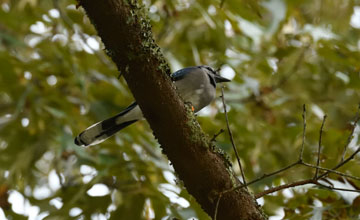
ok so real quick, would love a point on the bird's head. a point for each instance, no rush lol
(214, 75)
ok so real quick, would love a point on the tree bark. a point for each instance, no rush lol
(126, 34)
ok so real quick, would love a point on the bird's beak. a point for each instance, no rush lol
(219, 79)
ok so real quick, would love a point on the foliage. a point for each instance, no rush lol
(56, 80)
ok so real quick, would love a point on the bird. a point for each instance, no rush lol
(196, 85)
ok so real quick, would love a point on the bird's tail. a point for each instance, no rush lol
(102, 130)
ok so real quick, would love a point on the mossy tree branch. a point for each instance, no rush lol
(126, 34)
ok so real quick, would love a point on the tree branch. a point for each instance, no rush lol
(331, 171)
(126, 34)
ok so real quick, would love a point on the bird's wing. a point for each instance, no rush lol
(180, 74)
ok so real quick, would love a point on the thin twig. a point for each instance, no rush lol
(357, 117)
(290, 166)
(217, 134)
(331, 171)
(319, 148)
(341, 163)
(300, 183)
(304, 132)
(217, 206)
(273, 173)
(313, 180)
(231, 136)
(284, 186)
(263, 177)
(336, 188)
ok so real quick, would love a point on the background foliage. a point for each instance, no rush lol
(56, 80)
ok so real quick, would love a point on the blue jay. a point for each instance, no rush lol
(196, 85)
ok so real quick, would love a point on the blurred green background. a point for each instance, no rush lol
(56, 80)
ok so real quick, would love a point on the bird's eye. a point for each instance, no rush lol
(212, 80)
(210, 69)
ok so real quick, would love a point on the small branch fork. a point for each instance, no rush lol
(217, 134)
(318, 178)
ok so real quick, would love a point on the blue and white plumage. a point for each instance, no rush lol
(196, 85)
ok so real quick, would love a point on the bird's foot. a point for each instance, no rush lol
(191, 106)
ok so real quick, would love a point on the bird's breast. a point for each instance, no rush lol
(199, 96)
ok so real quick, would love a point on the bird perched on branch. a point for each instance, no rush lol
(196, 85)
